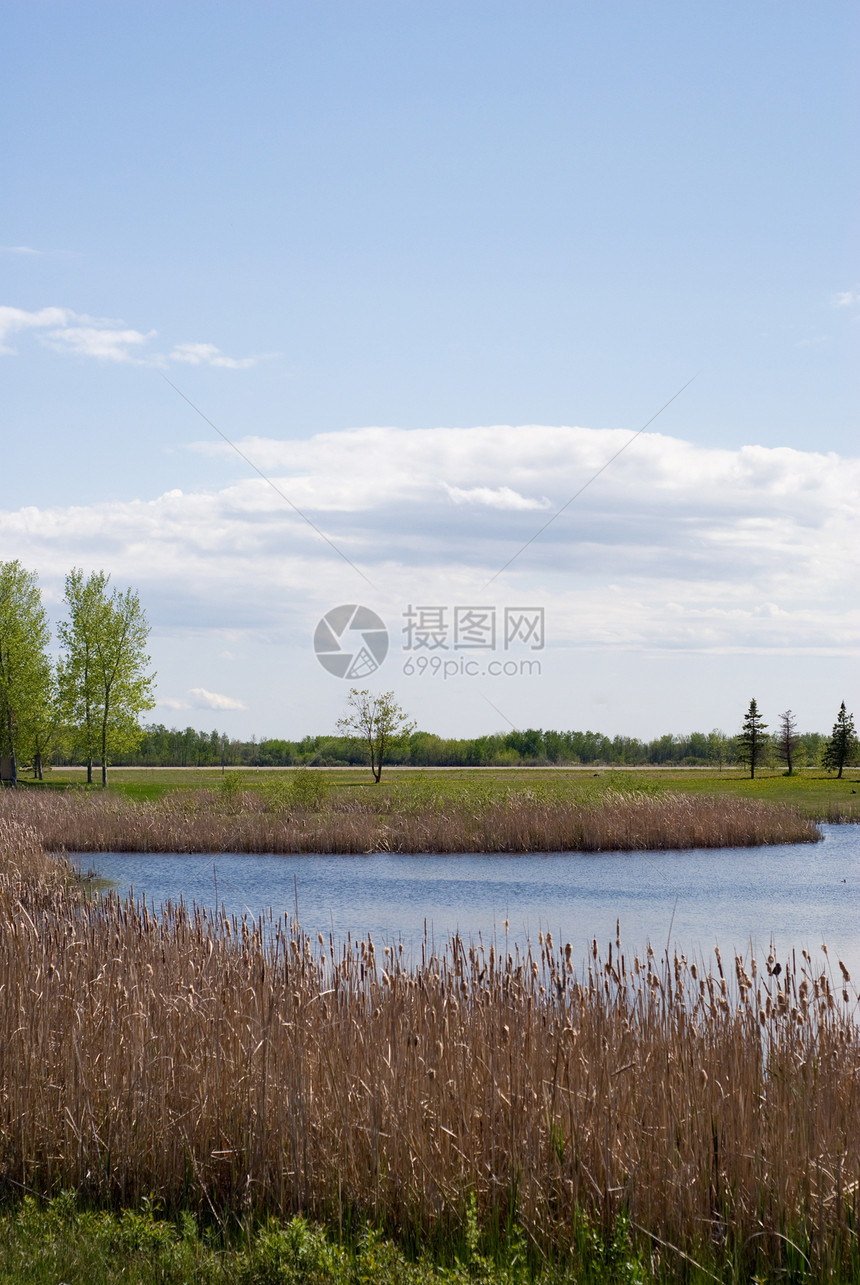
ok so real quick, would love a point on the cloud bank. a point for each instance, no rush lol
(674, 546)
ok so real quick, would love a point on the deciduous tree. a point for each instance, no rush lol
(104, 680)
(25, 667)
(377, 721)
(787, 740)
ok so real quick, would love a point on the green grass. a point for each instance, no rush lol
(59, 1241)
(814, 791)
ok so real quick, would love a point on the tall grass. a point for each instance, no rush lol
(407, 821)
(237, 1065)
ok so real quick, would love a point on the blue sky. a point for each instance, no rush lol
(322, 218)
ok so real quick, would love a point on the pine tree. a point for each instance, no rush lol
(842, 746)
(753, 738)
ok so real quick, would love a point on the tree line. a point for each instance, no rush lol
(86, 707)
(160, 746)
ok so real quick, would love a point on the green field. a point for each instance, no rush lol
(815, 792)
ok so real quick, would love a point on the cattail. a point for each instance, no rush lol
(226, 1069)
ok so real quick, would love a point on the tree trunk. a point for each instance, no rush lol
(89, 769)
(104, 738)
(37, 766)
(13, 762)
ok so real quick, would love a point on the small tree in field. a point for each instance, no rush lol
(787, 740)
(753, 739)
(718, 747)
(841, 749)
(378, 721)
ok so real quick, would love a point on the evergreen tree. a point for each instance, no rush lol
(753, 739)
(841, 749)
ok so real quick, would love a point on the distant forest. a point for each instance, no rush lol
(172, 747)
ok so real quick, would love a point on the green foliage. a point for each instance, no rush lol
(26, 681)
(43, 1243)
(230, 789)
(753, 741)
(842, 747)
(186, 747)
(103, 676)
(297, 1254)
(376, 722)
(305, 790)
(308, 790)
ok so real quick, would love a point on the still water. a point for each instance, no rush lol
(796, 895)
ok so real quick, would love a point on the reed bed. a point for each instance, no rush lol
(233, 1065)
(525, 821)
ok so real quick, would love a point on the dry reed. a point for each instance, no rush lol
(229, 1064)
(204, 821)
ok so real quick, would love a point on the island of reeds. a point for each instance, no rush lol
(301, 813)
(479, 1111)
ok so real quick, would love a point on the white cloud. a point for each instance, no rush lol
(846, 298)
(208, 355)
(172, 702)
(106, 340)
(102, 343)
(19, 249)
(499, 497)
(214, 700)
(13, 320)
(673, 546)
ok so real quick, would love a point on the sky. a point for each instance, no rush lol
(333, 303)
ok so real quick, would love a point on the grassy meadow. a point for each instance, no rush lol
(813, 791)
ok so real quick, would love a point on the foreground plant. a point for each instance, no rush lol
(43, 1242)
(240, 1069)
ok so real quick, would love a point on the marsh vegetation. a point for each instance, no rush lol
(224, 1068)
(301, 813)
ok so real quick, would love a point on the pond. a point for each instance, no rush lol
(794, 895)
